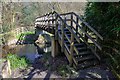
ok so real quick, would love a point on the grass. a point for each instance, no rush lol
(63, 70)
(17, 62)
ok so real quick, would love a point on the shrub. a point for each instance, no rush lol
(104, 17)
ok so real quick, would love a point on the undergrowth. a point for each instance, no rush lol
(17, 62)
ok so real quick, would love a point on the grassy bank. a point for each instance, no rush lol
(17, 62)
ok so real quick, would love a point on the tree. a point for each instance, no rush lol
(104, 17)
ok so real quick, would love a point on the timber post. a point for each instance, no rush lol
(55, 43)
(55, 47)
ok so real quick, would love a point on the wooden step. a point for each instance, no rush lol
(87, 64)
(68, 36)
(66, 41)
(82, 54)
(82, 59)
(67, 48)
(80, 45)
(67, 32)
(65, 29)
(81, 49)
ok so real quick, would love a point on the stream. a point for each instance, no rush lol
(32, 50)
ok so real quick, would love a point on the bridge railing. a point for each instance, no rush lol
(47, 21)
(84, 31)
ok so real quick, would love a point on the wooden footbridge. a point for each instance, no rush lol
(76, 38)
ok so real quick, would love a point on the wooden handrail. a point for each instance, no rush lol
(68, 27)
(88, 35)
(89, 26)
(92, 29)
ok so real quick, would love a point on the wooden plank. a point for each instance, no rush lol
(67, 55)
(46, 20)
(67, 48)
(67, 37)
(56, 31)
(69, 13)
(56, 26)
(71, 48)
(77, 25)
(71, 20)
(62, 30)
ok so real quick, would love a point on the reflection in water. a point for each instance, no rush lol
(29, 50)
(47, 48)
(32, 51)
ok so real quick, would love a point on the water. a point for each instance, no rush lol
(29, 50)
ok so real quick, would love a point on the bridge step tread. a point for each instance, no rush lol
(85, 58)
(82, 54)
(87, 64)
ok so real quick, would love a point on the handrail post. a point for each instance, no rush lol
(71, 43)
(62, 30)
(96, 46)
(56, 28)
(77, 20)
(71, 49)
(48, 22)
(71, 21)
(85, 29)
(53, 23)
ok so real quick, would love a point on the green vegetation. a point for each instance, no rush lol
(25, 33)
(63, 70)
(17, 62)
(104, 17)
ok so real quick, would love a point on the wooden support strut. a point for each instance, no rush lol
(62, 29)
(56, 29)
(71, 49)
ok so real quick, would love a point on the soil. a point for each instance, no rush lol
(47, 67)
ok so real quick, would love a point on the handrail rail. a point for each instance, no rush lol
(88, 35)
(67, 27)
(96, 44)
(92, 29)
